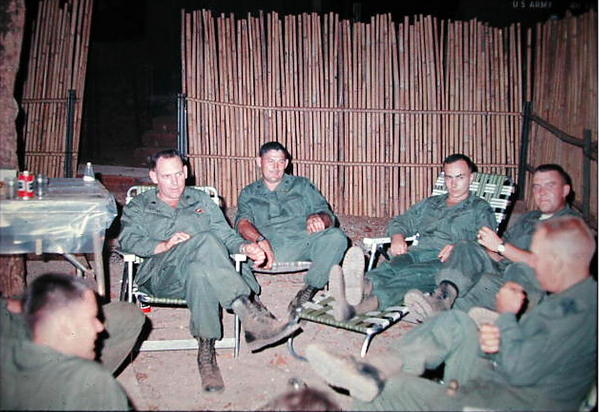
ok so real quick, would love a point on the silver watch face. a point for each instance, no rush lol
(501, 249)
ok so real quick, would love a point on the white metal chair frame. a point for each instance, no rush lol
(129, 290)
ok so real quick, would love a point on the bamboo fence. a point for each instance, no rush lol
(57, 64)
(565, 95)
(367, 110)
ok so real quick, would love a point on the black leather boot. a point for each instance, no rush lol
(305, 294)
(212, 381)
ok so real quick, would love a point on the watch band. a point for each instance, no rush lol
(260, 239)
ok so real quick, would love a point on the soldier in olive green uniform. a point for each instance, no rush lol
(440, 221)
(439, 225)
(291, 221)
(546, 360)
(476, 271)
(48, 362)
(186, 243)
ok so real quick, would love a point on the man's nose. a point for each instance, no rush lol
(99, 326)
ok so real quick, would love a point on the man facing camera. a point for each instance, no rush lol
(290, 220)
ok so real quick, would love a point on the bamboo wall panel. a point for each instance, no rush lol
(368, 111)
(565, 95)
(57, 63)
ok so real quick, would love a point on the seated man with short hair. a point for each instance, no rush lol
(290, 220)
(544, 360)
(441, 221)
(49, 342)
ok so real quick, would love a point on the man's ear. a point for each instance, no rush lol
(185, 171)
(472, 176)
(258, 161)
(566, 191)
(64, 324)
(154, 178)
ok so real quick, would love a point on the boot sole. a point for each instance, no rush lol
(341, 310)
(343, 373)
(288, 330)
(418, 305)
(353, 274)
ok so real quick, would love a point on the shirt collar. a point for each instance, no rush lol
(283, 186)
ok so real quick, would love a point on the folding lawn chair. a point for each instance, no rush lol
(130, 291)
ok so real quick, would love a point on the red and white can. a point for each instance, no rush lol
(25, 185)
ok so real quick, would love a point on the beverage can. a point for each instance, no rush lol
(25, 185)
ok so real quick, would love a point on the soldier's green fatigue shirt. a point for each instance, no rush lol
(547, 361)
(280, 216)
(37, 377)
(438, 225)
(479, 277)
(198, 270)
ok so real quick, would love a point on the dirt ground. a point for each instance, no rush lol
(170, 380)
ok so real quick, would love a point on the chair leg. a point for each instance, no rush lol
(125, 294)
(237, 336)
(291, 349)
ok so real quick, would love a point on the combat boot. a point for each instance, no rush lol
(262, 308)
(424, 305)
(260, 329)
(305, 294)
(212, 381)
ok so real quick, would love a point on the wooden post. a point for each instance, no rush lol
(12, 14)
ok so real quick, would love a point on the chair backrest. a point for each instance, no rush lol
(494, 188)
(135, 190)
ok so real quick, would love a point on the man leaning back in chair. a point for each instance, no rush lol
(186, 243)
(441, 221)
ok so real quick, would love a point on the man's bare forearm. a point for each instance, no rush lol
(248, 231)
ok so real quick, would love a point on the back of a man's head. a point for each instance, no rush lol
(163, 154)
(267, 147)
(570, 238)
(50, 293)
(306, 399)
(456, 157)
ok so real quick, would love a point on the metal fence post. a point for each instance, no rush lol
(182, 124)
(68, 162)
(523, 166)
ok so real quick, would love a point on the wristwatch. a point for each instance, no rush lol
(260, 239)
(501, 248)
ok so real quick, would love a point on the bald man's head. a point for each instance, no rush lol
(562, 251)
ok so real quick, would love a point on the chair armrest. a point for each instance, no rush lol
(374, 245)
(238, 258)
(376, 241)
(370, 241)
